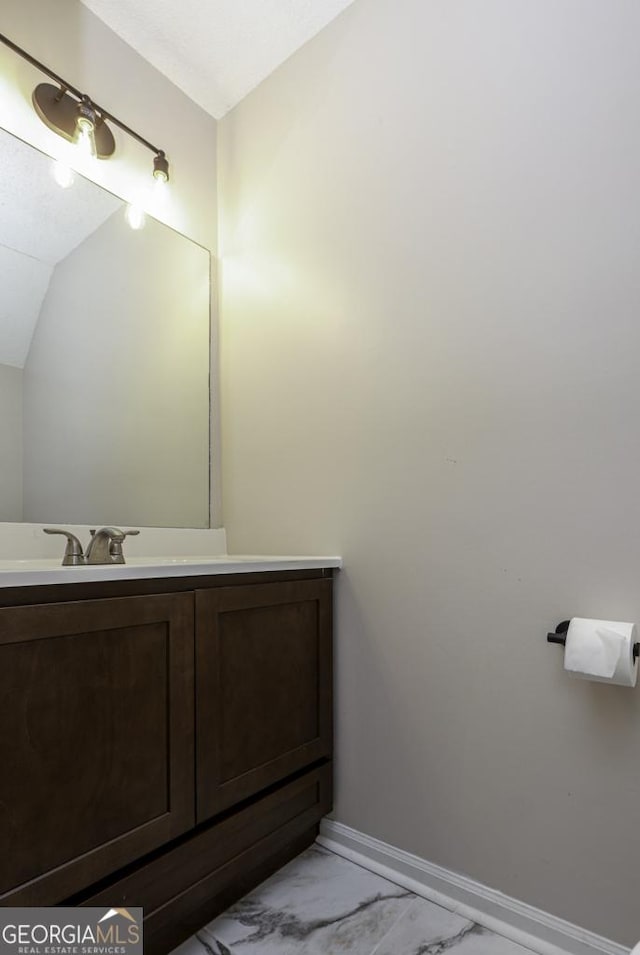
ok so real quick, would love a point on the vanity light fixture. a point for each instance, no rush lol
(74, 116)
(161, 168)
(76, 120)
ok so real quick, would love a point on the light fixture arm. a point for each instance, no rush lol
(67, 87)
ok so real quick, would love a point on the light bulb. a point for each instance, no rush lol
(160, 188)
(161, 169)
(63, 174)
(85, 141)
(135, 216)
(84, 136)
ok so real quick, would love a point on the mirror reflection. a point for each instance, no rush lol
(104, 357)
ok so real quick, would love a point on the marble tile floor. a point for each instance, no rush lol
(322, 904)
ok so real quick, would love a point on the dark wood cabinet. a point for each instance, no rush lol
(263, 700)
(96, 739)
(163, 743)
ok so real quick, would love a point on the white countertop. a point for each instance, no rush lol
(22, 573)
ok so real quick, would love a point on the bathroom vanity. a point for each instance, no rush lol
(165, 732)
(165, 725)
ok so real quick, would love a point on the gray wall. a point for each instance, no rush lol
(10, 443)
(116, 384)
(430, 230)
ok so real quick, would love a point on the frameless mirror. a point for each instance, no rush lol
(104, 357)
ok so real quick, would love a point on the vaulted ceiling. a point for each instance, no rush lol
(216, 51)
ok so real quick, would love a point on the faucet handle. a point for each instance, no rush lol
(73, 553)
(115, 546)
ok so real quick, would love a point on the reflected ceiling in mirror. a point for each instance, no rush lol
(104, 357)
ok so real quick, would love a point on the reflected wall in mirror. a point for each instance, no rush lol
(104, 357)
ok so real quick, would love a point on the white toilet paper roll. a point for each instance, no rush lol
(601, 650)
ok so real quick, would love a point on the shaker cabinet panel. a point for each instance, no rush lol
(96, 746)
(263, 687)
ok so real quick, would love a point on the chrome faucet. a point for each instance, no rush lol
(105, 546)
(73, 553)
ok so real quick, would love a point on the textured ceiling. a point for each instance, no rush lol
(216, 51)
(40, 224)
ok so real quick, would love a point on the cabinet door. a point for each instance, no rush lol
(96, 739)
(263, 687)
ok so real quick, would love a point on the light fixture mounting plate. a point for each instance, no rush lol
(59, 111)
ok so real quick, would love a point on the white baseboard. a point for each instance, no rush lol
(536, 930)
